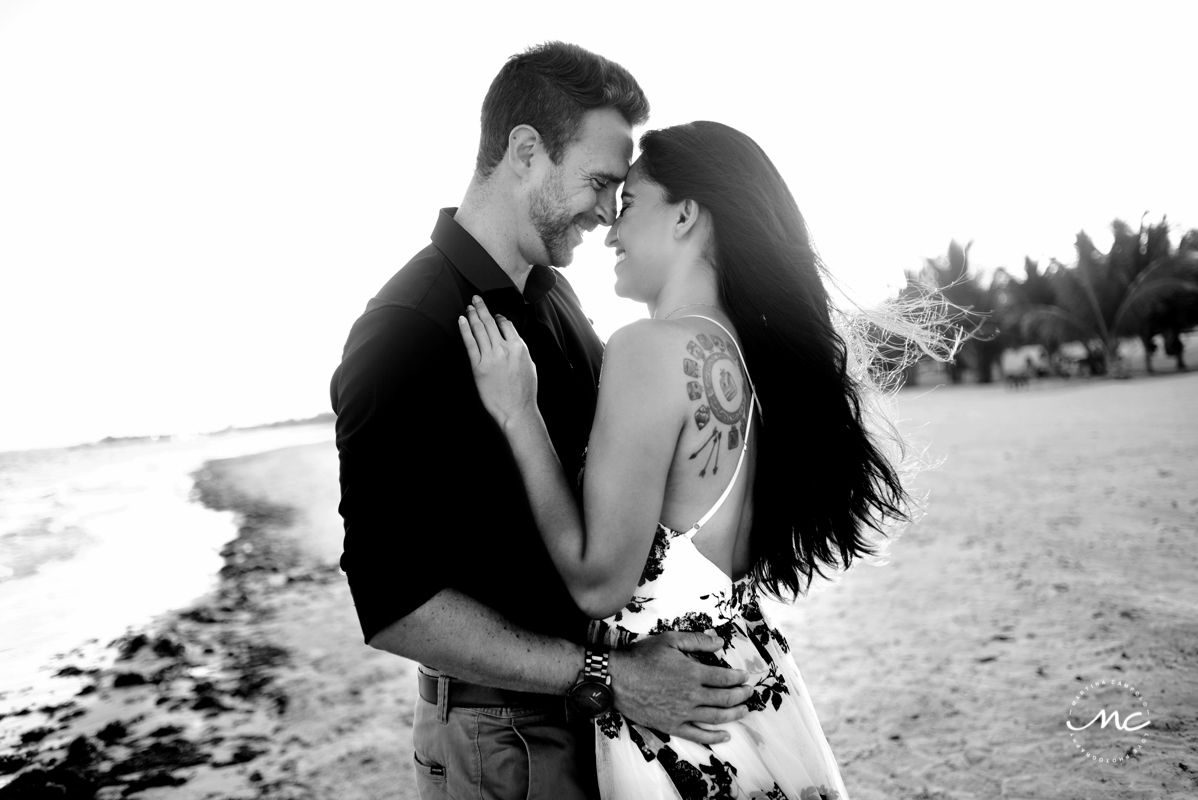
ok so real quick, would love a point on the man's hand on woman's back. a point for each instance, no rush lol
(657, 685)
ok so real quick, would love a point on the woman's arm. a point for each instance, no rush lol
(631, 448)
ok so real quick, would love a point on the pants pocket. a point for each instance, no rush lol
(540, 754)
(504, 759)
(430, 778)
(428, 768)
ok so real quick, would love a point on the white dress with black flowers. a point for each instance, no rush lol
(777, 751)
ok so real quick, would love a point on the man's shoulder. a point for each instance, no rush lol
(406, 326)
(426, 288)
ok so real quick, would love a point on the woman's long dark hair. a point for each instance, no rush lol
(821, 478)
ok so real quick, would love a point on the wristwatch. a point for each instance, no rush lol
(591, 695)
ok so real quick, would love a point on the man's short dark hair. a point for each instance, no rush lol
(550, 87)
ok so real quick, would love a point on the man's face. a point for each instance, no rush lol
(580, 192)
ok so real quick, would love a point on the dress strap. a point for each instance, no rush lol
(753, 403)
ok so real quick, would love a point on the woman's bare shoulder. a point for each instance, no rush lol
(698, 370)
(686, 365)
(649, 338)
(656, 351)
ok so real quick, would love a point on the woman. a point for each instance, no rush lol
(695, 500)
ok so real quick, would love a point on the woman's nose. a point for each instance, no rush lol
(613, 235)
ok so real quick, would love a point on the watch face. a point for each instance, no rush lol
(591, 697)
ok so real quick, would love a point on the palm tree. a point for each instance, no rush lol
(1107, 297)
(1011, 295)
(1178, 315)
(951, 277)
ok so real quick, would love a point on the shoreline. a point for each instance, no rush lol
(194, 698)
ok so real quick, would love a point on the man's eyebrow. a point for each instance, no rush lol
(610, 177)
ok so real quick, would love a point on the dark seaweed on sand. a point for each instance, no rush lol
(240, 672)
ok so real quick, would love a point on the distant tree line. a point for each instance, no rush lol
(1143, 288)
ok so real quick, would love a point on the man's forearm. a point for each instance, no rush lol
(456, 634)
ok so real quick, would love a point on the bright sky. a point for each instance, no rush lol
(198, 198)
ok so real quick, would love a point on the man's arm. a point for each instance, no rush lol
(460, 636)
(653, 681)
(393, 440)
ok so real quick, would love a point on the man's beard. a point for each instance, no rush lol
(552, 223)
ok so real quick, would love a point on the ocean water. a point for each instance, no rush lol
(96, 540)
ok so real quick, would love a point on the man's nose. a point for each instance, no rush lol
(605, 209)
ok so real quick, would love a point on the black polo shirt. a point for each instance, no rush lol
(430, 493)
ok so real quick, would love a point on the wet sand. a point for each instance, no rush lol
(1058, 550)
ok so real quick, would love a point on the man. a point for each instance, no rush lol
(441, 551)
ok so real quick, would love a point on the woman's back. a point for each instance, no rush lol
(696, 579)
(712, 472)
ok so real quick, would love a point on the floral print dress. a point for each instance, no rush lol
(777, 752)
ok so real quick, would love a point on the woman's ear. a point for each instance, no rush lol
(522, 144)
(687, 218)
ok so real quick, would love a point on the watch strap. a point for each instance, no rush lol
(595, 665)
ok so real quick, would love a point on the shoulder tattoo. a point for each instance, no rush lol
(712, 371)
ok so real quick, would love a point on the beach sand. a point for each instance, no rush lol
(1058, 550)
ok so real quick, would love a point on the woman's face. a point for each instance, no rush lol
(643, 238)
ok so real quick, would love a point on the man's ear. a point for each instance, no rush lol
(522, 144)
(687, 218)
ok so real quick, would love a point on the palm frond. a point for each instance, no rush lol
(1054, 324)
(1149, 298)
(1160, 283)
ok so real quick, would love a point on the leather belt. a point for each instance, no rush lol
(473, 695)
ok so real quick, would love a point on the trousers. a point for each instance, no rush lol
(502, 754)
